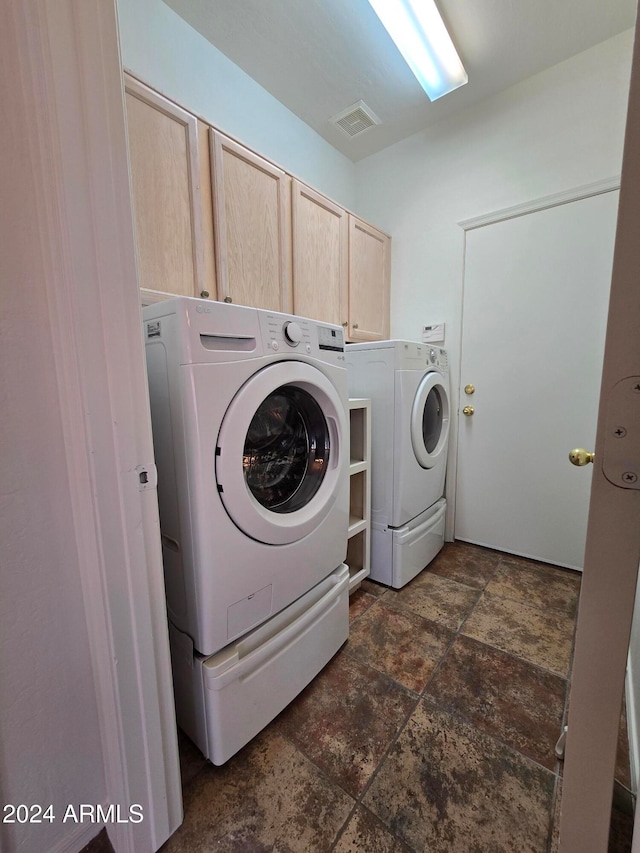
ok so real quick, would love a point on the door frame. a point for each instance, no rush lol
(72, 85)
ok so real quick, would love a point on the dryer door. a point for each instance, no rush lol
(430, 420)
(280, 452)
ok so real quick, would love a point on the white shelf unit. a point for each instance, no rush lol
(359, 544)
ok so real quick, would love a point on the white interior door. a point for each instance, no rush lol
(536, 292)
(613, 541)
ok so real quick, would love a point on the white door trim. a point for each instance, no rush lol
(72, 80)
(565, 197)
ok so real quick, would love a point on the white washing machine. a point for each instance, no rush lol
(250, 424)
(408, 384)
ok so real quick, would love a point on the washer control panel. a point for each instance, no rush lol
(331, 339)
(292, 333)
(282, 333)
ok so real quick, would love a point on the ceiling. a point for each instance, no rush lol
(319, 57)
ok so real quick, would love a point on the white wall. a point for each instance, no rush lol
(161, 49)
(560, 129)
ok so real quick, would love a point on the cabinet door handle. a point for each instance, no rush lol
(228, 299)
(204, 294)
(355, 325)
(345, 324)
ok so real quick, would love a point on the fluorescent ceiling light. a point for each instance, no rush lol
(422, 38)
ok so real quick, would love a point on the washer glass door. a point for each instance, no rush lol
(286, 450)
(430, 420)
(281, 454)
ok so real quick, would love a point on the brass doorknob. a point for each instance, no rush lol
(581, 457)
(468, 411)
(469, 389)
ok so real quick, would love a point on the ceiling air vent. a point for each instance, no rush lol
(355, 119)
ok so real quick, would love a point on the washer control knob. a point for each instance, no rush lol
(292, 333)
(432, 356)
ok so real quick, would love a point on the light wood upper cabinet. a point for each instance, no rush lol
(320, 256)
(341, 267)
(252, 227)
(167, 205)
(369, 282)
(215, 219)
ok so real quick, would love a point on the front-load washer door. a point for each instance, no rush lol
(430, 420)
(279, 456)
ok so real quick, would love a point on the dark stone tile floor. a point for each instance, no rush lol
(100, 844)
(432, 729)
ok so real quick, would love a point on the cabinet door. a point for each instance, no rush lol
(251, 217)
(369, 282)
(320, 248)
(165, 173)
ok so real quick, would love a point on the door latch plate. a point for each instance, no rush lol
(621, 457)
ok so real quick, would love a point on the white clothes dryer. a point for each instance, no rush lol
(408, 384)
(250, 421)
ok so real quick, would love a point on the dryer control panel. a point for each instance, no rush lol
(415, 356)
(438, 357)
